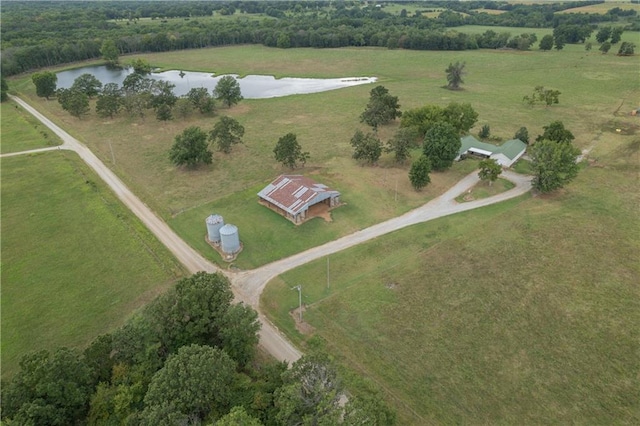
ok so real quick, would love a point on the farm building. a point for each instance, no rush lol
(505, 154)
(298, 198)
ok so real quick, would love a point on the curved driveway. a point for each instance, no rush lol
(248, 285)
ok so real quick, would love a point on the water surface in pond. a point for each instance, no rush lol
(251, 86)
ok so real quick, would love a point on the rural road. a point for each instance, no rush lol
(248, 285)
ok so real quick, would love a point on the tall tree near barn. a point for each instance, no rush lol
(289, 152)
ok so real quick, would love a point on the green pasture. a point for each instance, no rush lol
(75, 263)
(597, 91)
(524, 312)
(604, 7)
(21, 131)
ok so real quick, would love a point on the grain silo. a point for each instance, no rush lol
(214, 223)
(230, 239)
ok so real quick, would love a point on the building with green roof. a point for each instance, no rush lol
(505, 154)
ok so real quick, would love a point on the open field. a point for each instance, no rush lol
(595, 94)
(75, 262)
(484, 190)
(603, 8)
(524, 312)
(21, 131)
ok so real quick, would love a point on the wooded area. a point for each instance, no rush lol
(40, 34)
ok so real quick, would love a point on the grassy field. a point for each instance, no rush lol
(524, 312)
(484, 190)
(21, 131)
(75, 263)
(593, 87)
(603, 8)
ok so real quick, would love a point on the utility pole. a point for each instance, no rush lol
(299, 288)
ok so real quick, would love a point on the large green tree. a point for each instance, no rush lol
(45, 82)
(201, 100)
(289, 152)
(50, 389)
(489, 170)
(226, 133)
(455, 72)
(556, 132)
(366, 147)
(109, 52)
(238, 417)
(442, 145)
(419, 173)
(554, 164)
(401, 143)
(382, 108)
(74, 102)
(190, 148)
(109, 100)
(228, 91)
(546, 43)
(87, 84)
(196, 383)
(461, 116)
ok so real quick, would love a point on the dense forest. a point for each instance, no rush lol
(40, 34)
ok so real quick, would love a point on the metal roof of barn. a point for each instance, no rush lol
(295, 193)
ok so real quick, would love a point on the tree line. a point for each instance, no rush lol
(36, 35)
(187, 358)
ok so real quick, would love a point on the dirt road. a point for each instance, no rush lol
(248, 285)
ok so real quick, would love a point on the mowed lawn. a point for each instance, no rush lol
(592, 85)
(75, 263)
(525, 312)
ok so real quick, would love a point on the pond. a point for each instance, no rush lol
(251, 86)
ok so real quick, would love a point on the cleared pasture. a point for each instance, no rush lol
(596, 90)
(523, 312)
(75, 262)
(21, 131)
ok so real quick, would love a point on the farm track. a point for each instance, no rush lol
(247, 286)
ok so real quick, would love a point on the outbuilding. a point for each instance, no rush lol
(505, 155)
(298, 198)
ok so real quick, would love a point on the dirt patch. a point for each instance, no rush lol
(320, 210)
(301, 325)
(620, 127)
(391, 285)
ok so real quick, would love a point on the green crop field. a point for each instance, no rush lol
(597, 92)
(524, 312)
(21, 131)
(75, 263)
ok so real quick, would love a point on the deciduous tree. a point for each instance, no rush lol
(419, 173)
(522, 134)
(201, 100)
(603, 34)
(194, 383)
(87, 84)
(238, 417)
(141, 67)
(605, 47)
(226, 133)
(289, 152)
(546, 43)
(228, 91)
(109, 100)
(190, 148)
(554, 164)
(366, 147)
(461, 116)
(489, 170)
(556, 132)
(74, 102)
(109, 52)
(441, 145)
(382, 108)
(616, 34)
(45, 83)
(626, 49)
(401, 143)
(455, 72)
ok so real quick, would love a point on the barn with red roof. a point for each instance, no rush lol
(298, 198)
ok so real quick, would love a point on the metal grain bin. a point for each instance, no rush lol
(214, 223)
(230, 239)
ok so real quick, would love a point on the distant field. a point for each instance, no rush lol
(593, 86)
(524, 312)
(75, 263)
(21, 131)
(603, 8)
